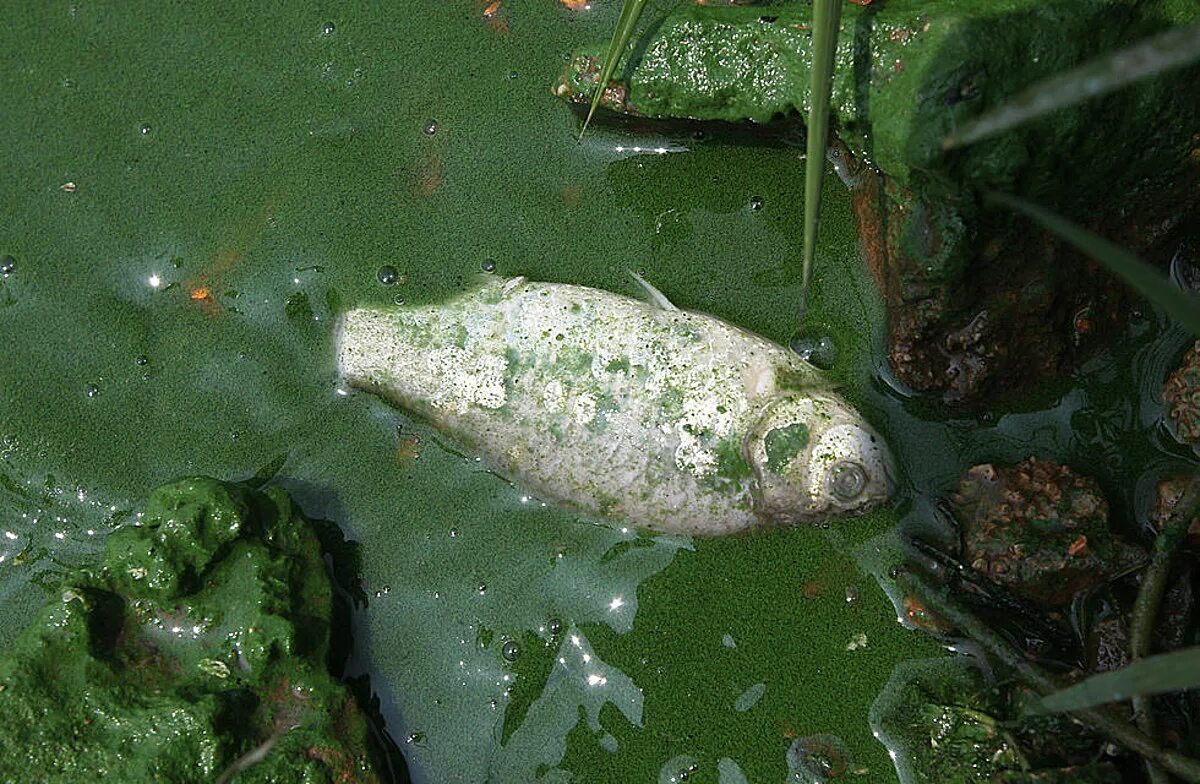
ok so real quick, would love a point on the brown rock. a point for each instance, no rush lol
(1182, 396)
(1038, 529)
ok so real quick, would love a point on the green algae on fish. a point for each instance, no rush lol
(195, 653)
(676, 421)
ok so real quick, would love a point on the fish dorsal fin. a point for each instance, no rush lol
(655, 296)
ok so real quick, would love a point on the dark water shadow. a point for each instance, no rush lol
(349, 633)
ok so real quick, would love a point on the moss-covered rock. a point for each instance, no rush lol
(937, 718)
(945, 723)
(198, 649)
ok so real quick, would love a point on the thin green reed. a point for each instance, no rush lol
(1173, 48)
(630, 12)
(1140, 276)
(826, 20)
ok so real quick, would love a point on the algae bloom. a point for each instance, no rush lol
(196, 653)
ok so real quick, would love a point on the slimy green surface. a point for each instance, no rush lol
(190, 195)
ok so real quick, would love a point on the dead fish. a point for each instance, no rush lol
(674, 420)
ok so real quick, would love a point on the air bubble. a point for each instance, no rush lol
(327, 28)
(488, 265)
(555, 626)
(678, 769)
(817, 759)
(91, 390)
(144, 129)
(8, 265)
(398, 300)
(387, 275)
(431, 127)
(756, 203)
(820, 351)
(511, 650)
(142, 359)
(481, 588)
(453, 533)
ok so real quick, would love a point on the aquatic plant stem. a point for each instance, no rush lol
(1145, 607)
(631, 11)
(827, 17)
(1119, 732)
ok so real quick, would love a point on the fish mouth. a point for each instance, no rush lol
(887, 465)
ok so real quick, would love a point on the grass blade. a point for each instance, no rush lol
(631, 11)
(1140, 276)
(1171, 49)
(827, 16)
(1176, 671)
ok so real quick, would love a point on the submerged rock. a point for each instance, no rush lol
(197, 653)
(979, 302)
(1038, 529)
(1182, 396)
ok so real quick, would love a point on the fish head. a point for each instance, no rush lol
(815, 458)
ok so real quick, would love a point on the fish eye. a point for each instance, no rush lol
(847, 480)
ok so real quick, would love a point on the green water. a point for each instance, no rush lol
(277, 158)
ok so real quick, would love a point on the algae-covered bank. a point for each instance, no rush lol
(194, 651)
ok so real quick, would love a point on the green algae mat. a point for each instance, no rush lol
(191, 196)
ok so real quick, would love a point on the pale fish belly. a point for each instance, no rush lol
(583, 397)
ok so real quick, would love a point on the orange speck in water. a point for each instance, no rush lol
(1078, 546)
(200, 287)
(429, 175)
(920, 616)
(812, 589)
(408, 450)
(491, 12)
(576, 5)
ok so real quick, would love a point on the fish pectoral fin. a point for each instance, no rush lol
(511, 284)
(655, 296)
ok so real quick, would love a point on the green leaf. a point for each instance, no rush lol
(631, 11)
(1176, 671)
(1141, 277)
(1173, 48)
(827, 16)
